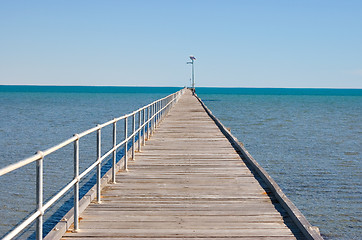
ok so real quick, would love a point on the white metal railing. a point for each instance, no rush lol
(148, 116)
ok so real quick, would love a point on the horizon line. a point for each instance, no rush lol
(50, 85)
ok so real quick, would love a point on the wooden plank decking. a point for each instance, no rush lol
(187, 183)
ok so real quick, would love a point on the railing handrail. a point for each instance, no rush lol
(50, 150)
(157, 108)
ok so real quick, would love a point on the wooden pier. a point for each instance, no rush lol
(189, 182)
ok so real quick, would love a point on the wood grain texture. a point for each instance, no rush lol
(188, 182)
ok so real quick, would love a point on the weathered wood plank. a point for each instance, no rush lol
(190, 238)
(95, 232)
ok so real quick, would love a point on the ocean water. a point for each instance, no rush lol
(309, 141)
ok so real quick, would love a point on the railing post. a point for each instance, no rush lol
(39, 196)
(155, 116)
(99, 166)
(165, 107)
(134, 136)
(148, 122)
(168, 103)
(151, 122)
(139, 130)
(144, 127)
(159, 114)
(125, 162)
(161, 110)
(76, 186)
(114, 152)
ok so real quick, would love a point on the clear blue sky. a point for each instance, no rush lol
(254, 43)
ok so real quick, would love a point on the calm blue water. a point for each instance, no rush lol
(309, 141)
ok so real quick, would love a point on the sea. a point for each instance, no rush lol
(308, 140)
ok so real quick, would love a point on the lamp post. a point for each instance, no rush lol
(192, 73)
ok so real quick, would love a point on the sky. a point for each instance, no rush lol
(237, 43)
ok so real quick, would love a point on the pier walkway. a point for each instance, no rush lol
(187, 183)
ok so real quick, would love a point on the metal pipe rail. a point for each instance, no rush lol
(149, 116)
